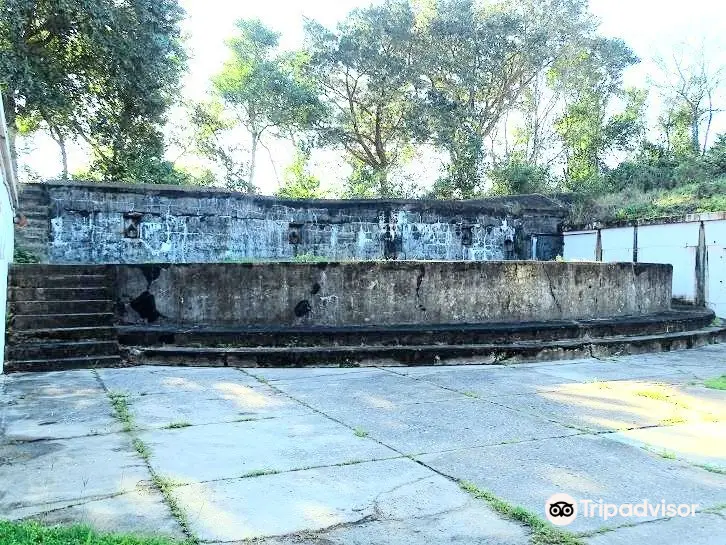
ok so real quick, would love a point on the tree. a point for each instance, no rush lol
(298, 182)
(478, 63)
(365, 72)
(266, 90)
(103, 71)
(589, 81)
(213, 140)
(689, 86)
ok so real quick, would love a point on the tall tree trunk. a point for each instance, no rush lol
(253, 162)
(64, 155)
(12, 133)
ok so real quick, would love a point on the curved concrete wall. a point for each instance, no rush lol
(380, 292)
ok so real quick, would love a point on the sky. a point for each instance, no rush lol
(650, 27)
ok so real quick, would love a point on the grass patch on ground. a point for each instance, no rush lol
(360, 432)
(33, 533)
(542, 532)
(177, 425)
(717, 383)
(120, 404)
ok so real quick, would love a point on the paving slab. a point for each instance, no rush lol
(319, 499)
(44, 475)
(622, 404)
(169, 380)
(443, 425)
(462, 521)
(276, 444)
(485, 380)
(614, 369)
(228, 402)
(585, 467)
(141, 512)
(709, 529)
(283, 374)
(699, 443)
(63, 384)
(380, 390)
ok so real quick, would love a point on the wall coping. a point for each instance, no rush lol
(510, 204)
(661, 220)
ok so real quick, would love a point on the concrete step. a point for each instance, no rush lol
(427, 354)
(59, 281)
(402, 335)
(61, 350)
(21, 322)
(57, 294)
(61, 364)
(63, 334)
(57, 269)
(60, 307)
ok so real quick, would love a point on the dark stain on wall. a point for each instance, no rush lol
(303, 308)
(145, 306)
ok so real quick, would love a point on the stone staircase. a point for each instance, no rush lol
(33, 237)
(61, 317)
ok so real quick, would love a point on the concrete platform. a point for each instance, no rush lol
(346, 456)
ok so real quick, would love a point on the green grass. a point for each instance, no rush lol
(542, 532)
(259, 473)
(33, 533)
(633, 204)
(471, 394)
(672, 421)
(360, 432)
(120, 404)
(712, 468)
(652, 394)
(667, 454)
(177, 425)
(717, 383)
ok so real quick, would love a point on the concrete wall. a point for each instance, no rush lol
(8, 202)
(387, 292)
(121, 223)
(695, 245)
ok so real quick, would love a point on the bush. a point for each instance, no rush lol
(517, 177)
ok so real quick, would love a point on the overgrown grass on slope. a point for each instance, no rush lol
(33, 533)
(633, 204)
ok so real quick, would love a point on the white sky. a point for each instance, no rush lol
(650, 27)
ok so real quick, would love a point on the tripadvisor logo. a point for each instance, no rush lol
(563, 509)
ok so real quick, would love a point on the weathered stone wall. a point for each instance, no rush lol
(121, 223)
(387, 292)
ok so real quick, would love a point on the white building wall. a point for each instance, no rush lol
(617, 244)
(716, 266)
(673, 243)
(580, 246)
(6, 256)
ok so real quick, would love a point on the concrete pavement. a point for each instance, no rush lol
(370, 455)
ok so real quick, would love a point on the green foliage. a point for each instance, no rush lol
(266, 90)
(104, 71)
(298, 182)
(21, 255)
(33, 533)
(477, 62)
(365, 72)
(517, 177)
(715, 157)
(542, 532)
(632, 203)
(717, 383)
